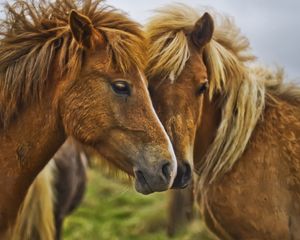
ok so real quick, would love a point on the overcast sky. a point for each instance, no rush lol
(273, 26)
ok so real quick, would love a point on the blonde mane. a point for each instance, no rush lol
(243, 89)
(35, 33)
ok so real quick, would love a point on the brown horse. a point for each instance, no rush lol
(241, 123)
(69, 69)
(55, 193)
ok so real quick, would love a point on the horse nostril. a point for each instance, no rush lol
(166, 170)
(187, 172)
(184, 175)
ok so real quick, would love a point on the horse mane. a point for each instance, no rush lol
(35, 33)
(227, 57)
(274, 82)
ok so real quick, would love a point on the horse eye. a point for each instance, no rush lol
(121, 88)
(202, 88)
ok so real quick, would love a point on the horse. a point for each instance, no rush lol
(236, 120)
(54, 194)
(75, 69)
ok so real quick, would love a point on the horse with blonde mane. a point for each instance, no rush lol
(75, 69)
(238, 123)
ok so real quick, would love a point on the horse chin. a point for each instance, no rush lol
(174, 186)
(141, 184)
(143, 188)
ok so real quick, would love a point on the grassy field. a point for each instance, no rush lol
(112, 210)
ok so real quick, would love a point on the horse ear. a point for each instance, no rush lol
(203, 31)
(82, 29)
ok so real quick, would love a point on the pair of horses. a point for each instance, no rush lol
(237, 126)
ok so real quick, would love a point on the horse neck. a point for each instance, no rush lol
(27, 144)
(206, 132)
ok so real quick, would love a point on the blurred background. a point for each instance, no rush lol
(113, 210)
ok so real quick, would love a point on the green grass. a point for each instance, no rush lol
(112, 210)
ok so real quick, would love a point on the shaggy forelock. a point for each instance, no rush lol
(34, 33)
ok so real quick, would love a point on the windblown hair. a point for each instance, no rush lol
(37, 33)
(243, 89)
(36, 215)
